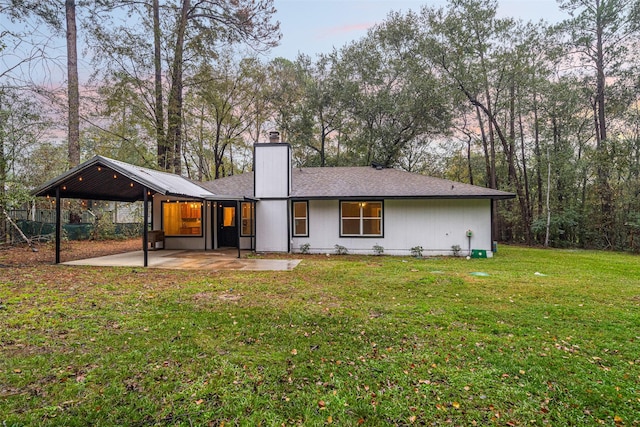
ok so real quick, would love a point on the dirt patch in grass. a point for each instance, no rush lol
(22, 255)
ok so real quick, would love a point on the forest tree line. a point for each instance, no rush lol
(549, 112)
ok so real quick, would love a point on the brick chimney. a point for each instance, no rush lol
(274, 137)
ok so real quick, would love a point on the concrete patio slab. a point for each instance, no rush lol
(189, 260)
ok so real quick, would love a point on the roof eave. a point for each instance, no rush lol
(49, 186)
(414, 197)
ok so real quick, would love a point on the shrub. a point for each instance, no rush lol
(416, 251)
(341, 250)
(104, 228)
(456, 250)
(304, 248)
(378, 250)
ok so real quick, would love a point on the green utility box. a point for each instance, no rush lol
(478, 253)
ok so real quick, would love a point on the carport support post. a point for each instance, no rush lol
(145, 231)
(58, 224)
(238, 224)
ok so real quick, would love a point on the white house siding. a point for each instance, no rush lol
(272, 170)
(272, 226)
(436, 225)
(246, 243)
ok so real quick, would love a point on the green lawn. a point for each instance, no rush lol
(549, 337)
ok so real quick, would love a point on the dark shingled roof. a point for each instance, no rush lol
(235, 185)
(360, 182)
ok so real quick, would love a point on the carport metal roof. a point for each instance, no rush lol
(101, 178)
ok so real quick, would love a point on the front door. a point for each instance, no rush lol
(227, 225)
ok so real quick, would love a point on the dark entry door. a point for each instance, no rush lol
(227, 225)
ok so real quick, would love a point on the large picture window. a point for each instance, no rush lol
(182, 218)
(301, 219)
(363, 218)
(248, 211)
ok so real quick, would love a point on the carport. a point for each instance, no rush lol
(101, 178)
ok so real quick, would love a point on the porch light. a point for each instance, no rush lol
(64, 187)
(99, 169)
(131, 185)
(80, 179)
(115, 176)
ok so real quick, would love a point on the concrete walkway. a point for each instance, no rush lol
(189, 260)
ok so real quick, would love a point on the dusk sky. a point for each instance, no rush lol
(307, 26)
(316, 26)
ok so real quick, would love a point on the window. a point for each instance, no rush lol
(361, 218)
(182, 218)
(301, 219)
(229, 216)
(248, 210)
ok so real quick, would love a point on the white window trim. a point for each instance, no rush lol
(251, 219)
(362, 218)
(306, 218)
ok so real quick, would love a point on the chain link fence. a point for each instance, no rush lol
(110, 221)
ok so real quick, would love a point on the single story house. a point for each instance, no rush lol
(278, 208)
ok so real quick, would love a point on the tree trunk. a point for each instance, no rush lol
(72, 88)
(469, 166)
(537, 152)
(174, 108)
(525, 177)
(509, 153)
(200, 154)
(485, 145)
(602, 170)
(493, 178)
(548, 227)
(161, 141)
(3, 168)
